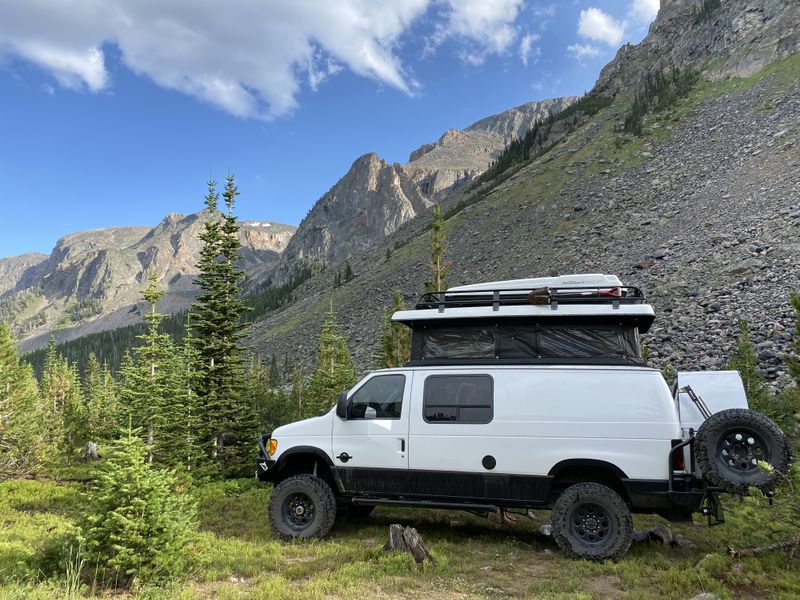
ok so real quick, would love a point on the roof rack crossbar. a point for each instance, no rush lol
(614, 295)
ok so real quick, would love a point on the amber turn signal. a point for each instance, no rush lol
(272, 446)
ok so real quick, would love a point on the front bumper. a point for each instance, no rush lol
(265, 466)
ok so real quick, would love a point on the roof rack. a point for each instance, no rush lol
(614, 295)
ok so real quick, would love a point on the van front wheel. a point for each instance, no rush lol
(591, 521)
(303, 507)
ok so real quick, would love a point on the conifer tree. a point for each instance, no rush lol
(334, 372)
(438, 266)
(22, 416)
(745, 360)
(274, 372)
(793, 361)
(100, 406)
(62, 399)
(137, 522)
(298, 392)
(228, 421)
(153, 385)
(395, 348)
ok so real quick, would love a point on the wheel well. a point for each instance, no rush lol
(570, 472)
(296, 464)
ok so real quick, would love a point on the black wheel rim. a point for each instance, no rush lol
(591, 524)
(298, 511)
(741, 449)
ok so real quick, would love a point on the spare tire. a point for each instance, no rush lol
(730, 444)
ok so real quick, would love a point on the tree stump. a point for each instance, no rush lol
(89, 451)
(408, 540)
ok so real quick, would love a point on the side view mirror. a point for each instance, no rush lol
(342, 406)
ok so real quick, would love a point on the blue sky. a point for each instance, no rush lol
(112, 115)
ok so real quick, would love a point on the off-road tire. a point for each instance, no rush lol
(592, 522)
(729, 442)
(314, 500)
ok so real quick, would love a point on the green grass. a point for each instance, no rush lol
(237, 556)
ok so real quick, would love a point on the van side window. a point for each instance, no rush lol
(579, 343)
(380, 398)
(458, 399)
(470, 342)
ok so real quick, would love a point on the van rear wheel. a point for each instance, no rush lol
(591, 521)
(302, 506)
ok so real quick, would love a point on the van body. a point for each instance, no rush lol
(525, 394)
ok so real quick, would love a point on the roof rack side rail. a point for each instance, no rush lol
(614, 295)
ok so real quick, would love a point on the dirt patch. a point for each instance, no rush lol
(605, 586)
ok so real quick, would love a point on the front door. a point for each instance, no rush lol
(370, 448)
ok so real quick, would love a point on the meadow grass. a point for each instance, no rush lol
(236, 555)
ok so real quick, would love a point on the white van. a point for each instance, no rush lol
(524, 394)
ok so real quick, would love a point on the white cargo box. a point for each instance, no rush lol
(719, 389)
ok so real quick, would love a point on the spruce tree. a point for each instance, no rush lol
(793, 360)
(228, 422)
(62, 399)
(334, 372)
(745, 360)
(153, 385)
(22, 416)
(100, 406)
(438, 266)
(274, 372)
(137, 522)
(395, 348)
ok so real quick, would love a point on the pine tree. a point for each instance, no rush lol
(100, 406)
(334, 372)
(438, 266)
(153, 385)
(62, 399)
(274, 372)
(745, 360)
(137, 523)
(395, 348)
(227, 419)
(298, 392)
(793, 360)
(22, 416)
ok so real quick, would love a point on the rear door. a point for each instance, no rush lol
(370, 448)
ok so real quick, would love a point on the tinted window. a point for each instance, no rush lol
(579, 343)
(459, 343)
(380, 398)
(458, 399)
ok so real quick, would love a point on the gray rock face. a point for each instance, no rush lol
(739, 38)
(97, 275)
(369, 203)
(459, 156)
(375, 198)
(13, 268)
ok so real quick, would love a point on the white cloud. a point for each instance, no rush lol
(487, 27)
(581, 51)
(644, 11)
(248, 58)
(596, 25)
(544, 11)
(527, 48)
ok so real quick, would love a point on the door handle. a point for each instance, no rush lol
(402, 445)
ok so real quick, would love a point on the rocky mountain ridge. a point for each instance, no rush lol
(702, 211)
(92, 279)
(375, 198)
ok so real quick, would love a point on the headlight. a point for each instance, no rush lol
(272, 446)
